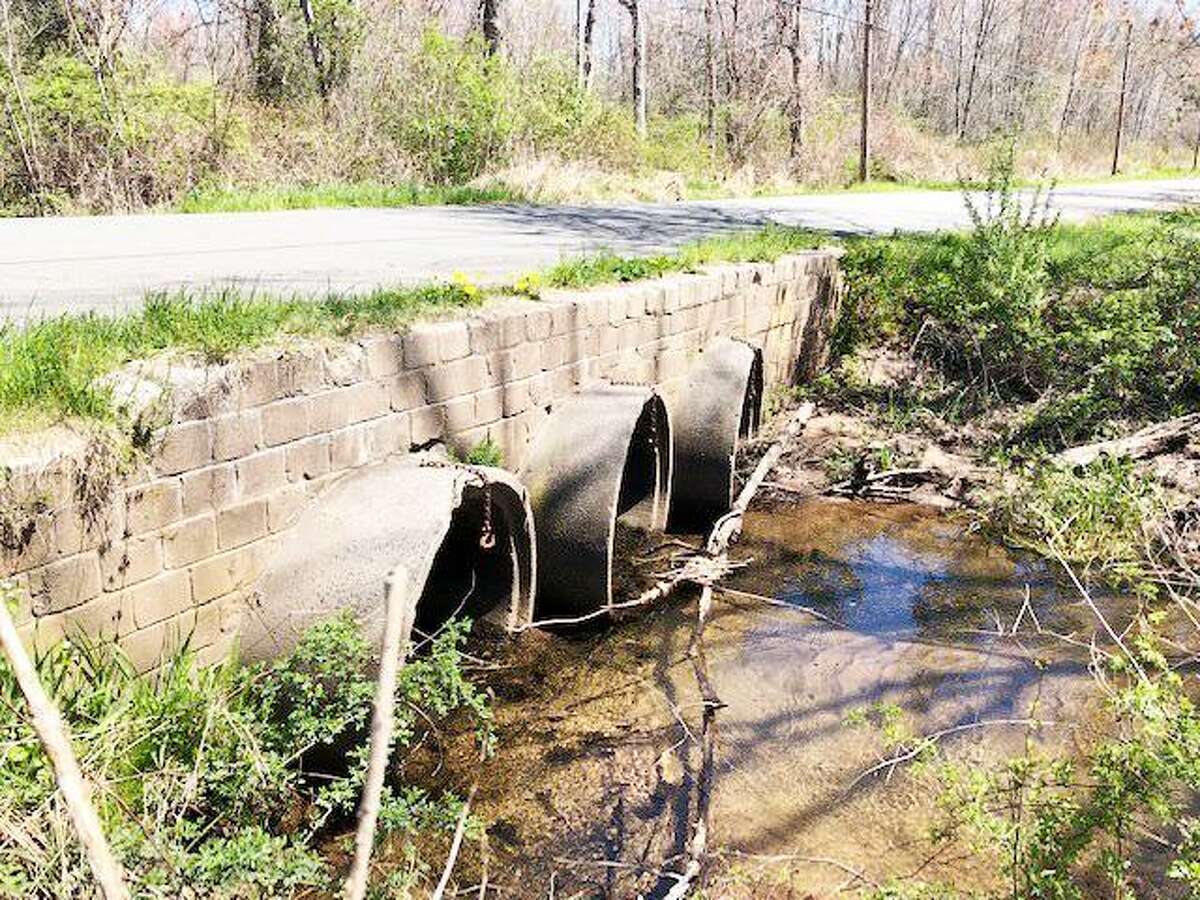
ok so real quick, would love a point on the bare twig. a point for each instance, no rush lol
(782, 604)
(382, 724)
(923, 743)
(455, 846)
(76, 791)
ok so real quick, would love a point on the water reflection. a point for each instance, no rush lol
(897, 572)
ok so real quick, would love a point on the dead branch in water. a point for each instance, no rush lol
(920, 745)
(52, 731)
(725, 530)
(782, 604)
(382, 724)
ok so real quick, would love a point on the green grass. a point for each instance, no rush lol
(339, 194)
(50, 369)
(763, 245)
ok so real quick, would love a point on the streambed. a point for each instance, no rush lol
(589, 789)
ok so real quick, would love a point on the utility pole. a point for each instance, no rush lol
(1121, 103)
(579, 14)
(1196, 147)
(710, 62)
(864, 140)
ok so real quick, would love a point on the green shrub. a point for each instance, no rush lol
(130, 139)
(1094, 516)
(454, 119)
(555, 116)
(203, 775)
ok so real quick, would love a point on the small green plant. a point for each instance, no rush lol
(225, 780)
(486, 453)
(1096, 517)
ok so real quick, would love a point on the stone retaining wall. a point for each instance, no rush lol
(165, 552)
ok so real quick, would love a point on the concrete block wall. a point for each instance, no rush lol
(167, 552)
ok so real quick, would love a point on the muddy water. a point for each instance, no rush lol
(592, 780)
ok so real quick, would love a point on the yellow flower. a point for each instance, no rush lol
(464, 283)
(529, 284)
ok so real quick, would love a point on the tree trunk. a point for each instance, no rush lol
(796, 102)
(314, 47)
(489, 15)
(264, 46)
(589, 27)
(710, 79)
(1066, 113)
(634, 8)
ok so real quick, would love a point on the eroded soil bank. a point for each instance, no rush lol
(868, 607)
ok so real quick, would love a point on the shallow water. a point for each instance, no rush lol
(593, 777)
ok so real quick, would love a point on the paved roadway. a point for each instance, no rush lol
(108, 262)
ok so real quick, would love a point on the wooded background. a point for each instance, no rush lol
(127, 103)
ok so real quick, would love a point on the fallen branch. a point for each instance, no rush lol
(52, 731)
(782, 604)
(856, 874)
(382, 725)
(875, 484)
(658, 592)
(1150, 441)
(725, 530)
(924, 743)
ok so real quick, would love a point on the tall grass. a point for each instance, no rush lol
(52, 368)
(344, 194)
(763, 245)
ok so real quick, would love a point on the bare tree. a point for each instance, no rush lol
(789, 14)
(634, 8)
(489, 18)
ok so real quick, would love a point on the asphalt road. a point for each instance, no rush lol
(109, 262)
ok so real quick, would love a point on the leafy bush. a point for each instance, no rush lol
(132, 138)
(1092, 516)
(203, 775)
(1091, 322)
(555, 116)
(455, 119)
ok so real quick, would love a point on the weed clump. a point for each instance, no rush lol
(1085, 323)
(225, 780)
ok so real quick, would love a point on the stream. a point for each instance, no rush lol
(588, 792)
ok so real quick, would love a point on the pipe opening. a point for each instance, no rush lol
(642, 502)
(601, 463)
(645, 479)
(488, 584)
(719, 408)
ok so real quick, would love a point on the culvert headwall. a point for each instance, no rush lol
(242, 449)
